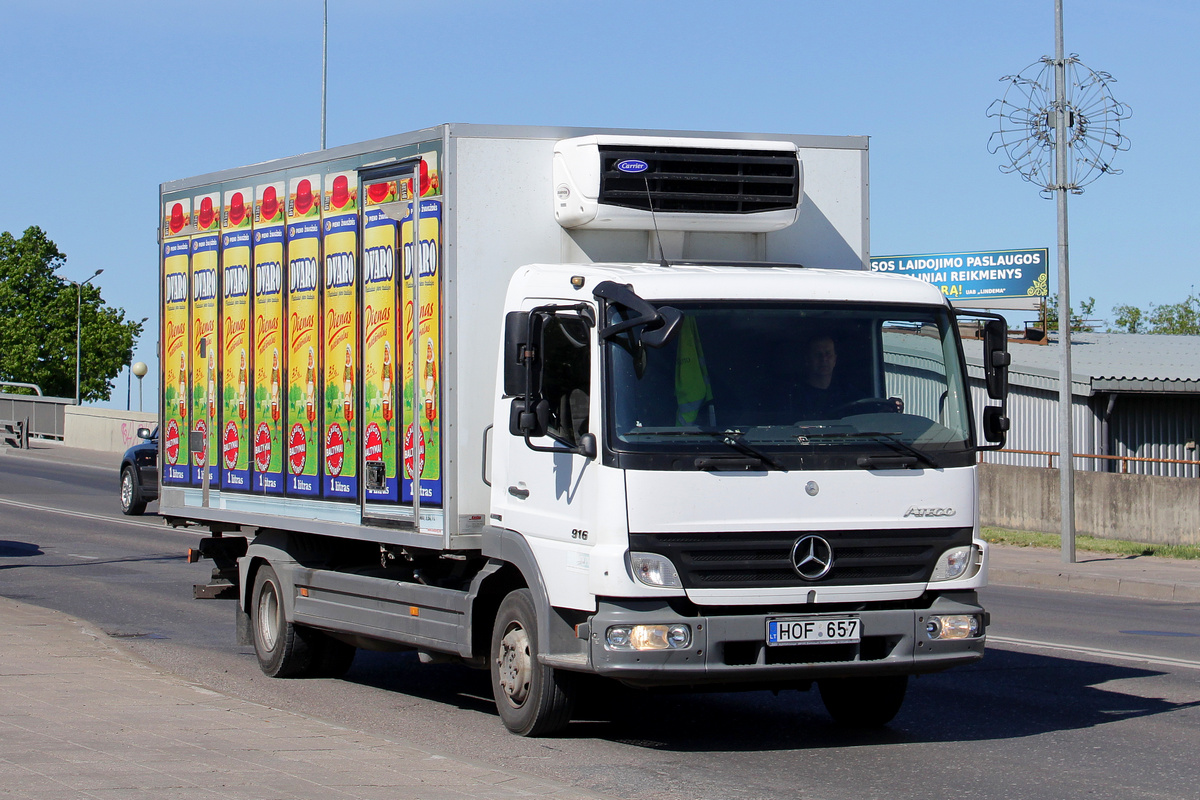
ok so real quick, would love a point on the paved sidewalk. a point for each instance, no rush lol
(80, 718)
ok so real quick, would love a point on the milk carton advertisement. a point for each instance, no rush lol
(267, 356)
(176, 370)
(205, 347)
(303, 338)
(236, 345)
(339, 449)
(381, 358)
(422, 436)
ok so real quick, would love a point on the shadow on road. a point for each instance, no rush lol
(19, 549)
(1010, 695)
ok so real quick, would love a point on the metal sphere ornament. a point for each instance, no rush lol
(1027, 114)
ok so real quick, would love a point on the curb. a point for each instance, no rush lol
(1096, 584)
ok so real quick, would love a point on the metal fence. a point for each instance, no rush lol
(46, 415)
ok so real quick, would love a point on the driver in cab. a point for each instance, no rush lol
(822, 396)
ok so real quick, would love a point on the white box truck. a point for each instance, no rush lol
(554, 402)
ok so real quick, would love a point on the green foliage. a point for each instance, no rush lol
(37, 323)
(1177, 318)
(1079, 320)
(1089, 543)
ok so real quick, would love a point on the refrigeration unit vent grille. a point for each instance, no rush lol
(700, 180)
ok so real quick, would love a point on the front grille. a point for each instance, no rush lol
(697, 180)
(763, 559)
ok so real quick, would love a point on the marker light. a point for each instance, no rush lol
(952, 626)
(654, 570)
(648, 637)
(954, 563)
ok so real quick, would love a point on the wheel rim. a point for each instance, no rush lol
(268, 621)
(126, 490)
(515, 664)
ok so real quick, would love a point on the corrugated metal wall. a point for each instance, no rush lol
(1142, 425)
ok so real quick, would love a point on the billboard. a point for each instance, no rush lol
(976, 278)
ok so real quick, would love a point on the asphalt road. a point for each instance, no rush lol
(1079, 696)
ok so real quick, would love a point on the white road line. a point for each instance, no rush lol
(159, 526)
(1158, 661)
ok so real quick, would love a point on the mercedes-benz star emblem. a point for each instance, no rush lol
(812, 557)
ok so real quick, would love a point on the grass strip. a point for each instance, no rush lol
(1090, 543)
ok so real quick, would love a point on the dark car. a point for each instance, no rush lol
(139, 473)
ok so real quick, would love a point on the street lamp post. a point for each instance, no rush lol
(129, 379)
(140, 369)
(78, 318)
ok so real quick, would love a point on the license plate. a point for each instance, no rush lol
(814, 630)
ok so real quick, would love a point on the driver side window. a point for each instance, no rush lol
(566, 376)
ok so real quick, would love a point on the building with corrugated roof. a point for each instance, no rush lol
(1132, 395)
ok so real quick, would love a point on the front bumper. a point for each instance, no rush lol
(731, 649)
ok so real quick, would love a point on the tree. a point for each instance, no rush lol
(1080, 321)
(37, 323)
(1178, 318)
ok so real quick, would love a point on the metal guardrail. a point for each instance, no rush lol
(1051, 455)
(45, 417)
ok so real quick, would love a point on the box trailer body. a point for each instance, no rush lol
(439, 422)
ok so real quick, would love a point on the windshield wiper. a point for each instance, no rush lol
(733, 438)
(884, 437)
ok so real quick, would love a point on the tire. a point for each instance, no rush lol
(864, 702)
(282, 650)
(533, 699)
(132, 503)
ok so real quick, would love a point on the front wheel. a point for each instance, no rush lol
(864, 702)
(281, 649)
(532, 698)
(132, 503)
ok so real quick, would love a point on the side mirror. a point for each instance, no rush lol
(143, 433)
(995, 425)
(531, 422)
(996, 359)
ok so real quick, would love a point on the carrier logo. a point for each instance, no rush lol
(914, 511)
(632, 165)
(812, 557)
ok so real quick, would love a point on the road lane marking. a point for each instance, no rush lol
(1158, 661)
(84, 515)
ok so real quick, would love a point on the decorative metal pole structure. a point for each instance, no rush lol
(1061, 140)
(1066, 469)
(78, 325)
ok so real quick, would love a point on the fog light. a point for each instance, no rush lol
(952, 626)
(618, 637)
(954, 563)
(648, 637)
(654, 570)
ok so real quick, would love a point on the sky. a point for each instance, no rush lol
(102, 102)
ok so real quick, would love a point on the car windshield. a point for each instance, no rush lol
(793, 385)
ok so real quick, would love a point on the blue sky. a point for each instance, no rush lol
(104, 101)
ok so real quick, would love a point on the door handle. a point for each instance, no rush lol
(518, 492)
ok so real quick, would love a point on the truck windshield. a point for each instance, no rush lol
(791, 386)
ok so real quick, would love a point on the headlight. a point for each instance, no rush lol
(955, 563)
(654, 570)
(952, 626)
(648, 637)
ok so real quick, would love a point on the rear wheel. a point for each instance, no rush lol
(131, 493)
(282, 652)
(864, 702)
(532, 698)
